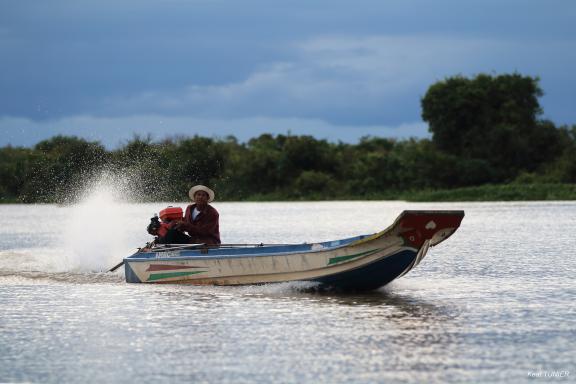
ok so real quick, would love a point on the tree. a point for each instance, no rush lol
(196, 160)
(314, 184)
(15, 167)
(370, 167)
(493, 119)
(60, 167)
(563, 168)
(141, 163)
(259, 168)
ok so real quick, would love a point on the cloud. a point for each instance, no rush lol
(372, 80)
(327, 65)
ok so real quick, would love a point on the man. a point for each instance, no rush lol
(201, 220)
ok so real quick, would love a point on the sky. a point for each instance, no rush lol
(107, 70)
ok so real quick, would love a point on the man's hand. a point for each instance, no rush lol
(180, 225)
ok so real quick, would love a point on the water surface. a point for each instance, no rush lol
(494, 303)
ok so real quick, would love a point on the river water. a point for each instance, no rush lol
(493, 303)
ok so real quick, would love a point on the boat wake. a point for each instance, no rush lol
(51, 278)
(280, 288)
(74, 242)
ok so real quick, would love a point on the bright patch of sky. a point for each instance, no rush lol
(338, 70)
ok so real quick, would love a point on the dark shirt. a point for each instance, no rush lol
(205, 228)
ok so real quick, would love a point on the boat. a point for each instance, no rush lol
(360, 263)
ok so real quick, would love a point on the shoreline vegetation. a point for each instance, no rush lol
(487, 193)
(488, 144)
(483, 193)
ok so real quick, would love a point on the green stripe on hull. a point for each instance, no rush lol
(160, 276)
(340, 259)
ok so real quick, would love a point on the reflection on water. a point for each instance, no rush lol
(491, 304)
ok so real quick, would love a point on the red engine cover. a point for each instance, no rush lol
(171, 213)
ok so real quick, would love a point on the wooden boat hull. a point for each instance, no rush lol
(358, 263)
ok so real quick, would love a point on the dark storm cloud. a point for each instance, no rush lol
(337, 63)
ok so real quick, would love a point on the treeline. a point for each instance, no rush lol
(485, 130)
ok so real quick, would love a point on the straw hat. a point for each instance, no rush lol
(197, 188)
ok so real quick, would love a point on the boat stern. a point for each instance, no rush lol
(131, 276)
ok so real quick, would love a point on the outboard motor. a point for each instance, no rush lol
(164, 229)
